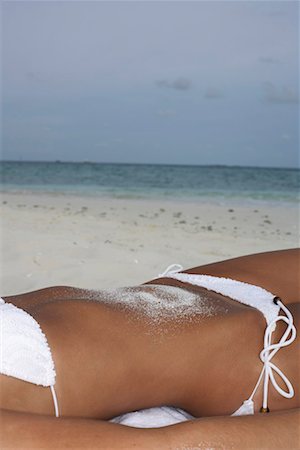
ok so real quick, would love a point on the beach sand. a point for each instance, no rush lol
(98, 243)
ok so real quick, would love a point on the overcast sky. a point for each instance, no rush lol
(200, 82)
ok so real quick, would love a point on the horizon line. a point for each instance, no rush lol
(59, 161)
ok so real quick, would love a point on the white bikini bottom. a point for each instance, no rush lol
(25, 353)
(24, 350)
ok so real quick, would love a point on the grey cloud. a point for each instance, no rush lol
(166, 112)
(213, 92)
(286, 136)
(268, 60)
(36, 78)
(103, 144)
(32, 76)
(162, 83)
(277, 13)
(286, 94)
(180, 84)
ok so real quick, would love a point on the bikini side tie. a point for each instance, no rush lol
(271, 349)
(266, 355)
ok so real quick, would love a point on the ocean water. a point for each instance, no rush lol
(220, 183)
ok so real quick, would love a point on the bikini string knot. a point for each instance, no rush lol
(269, 351)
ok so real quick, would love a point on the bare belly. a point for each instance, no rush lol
(111, 359)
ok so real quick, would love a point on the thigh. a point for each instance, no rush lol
(21, 396)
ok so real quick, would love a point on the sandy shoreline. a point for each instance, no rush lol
(95, 242)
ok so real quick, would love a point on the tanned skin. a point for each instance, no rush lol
(207, 366)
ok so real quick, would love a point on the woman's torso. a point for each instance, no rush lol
(112, 357)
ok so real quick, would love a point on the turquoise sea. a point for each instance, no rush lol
(247, 184)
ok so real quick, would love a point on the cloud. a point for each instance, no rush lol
(103, 144)
(268, 60)
(179, 84)
(166, 112)
(38, 78)
(35, 77)
(286, 136)
(213, 92)
(277, 13)
(286, 94)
